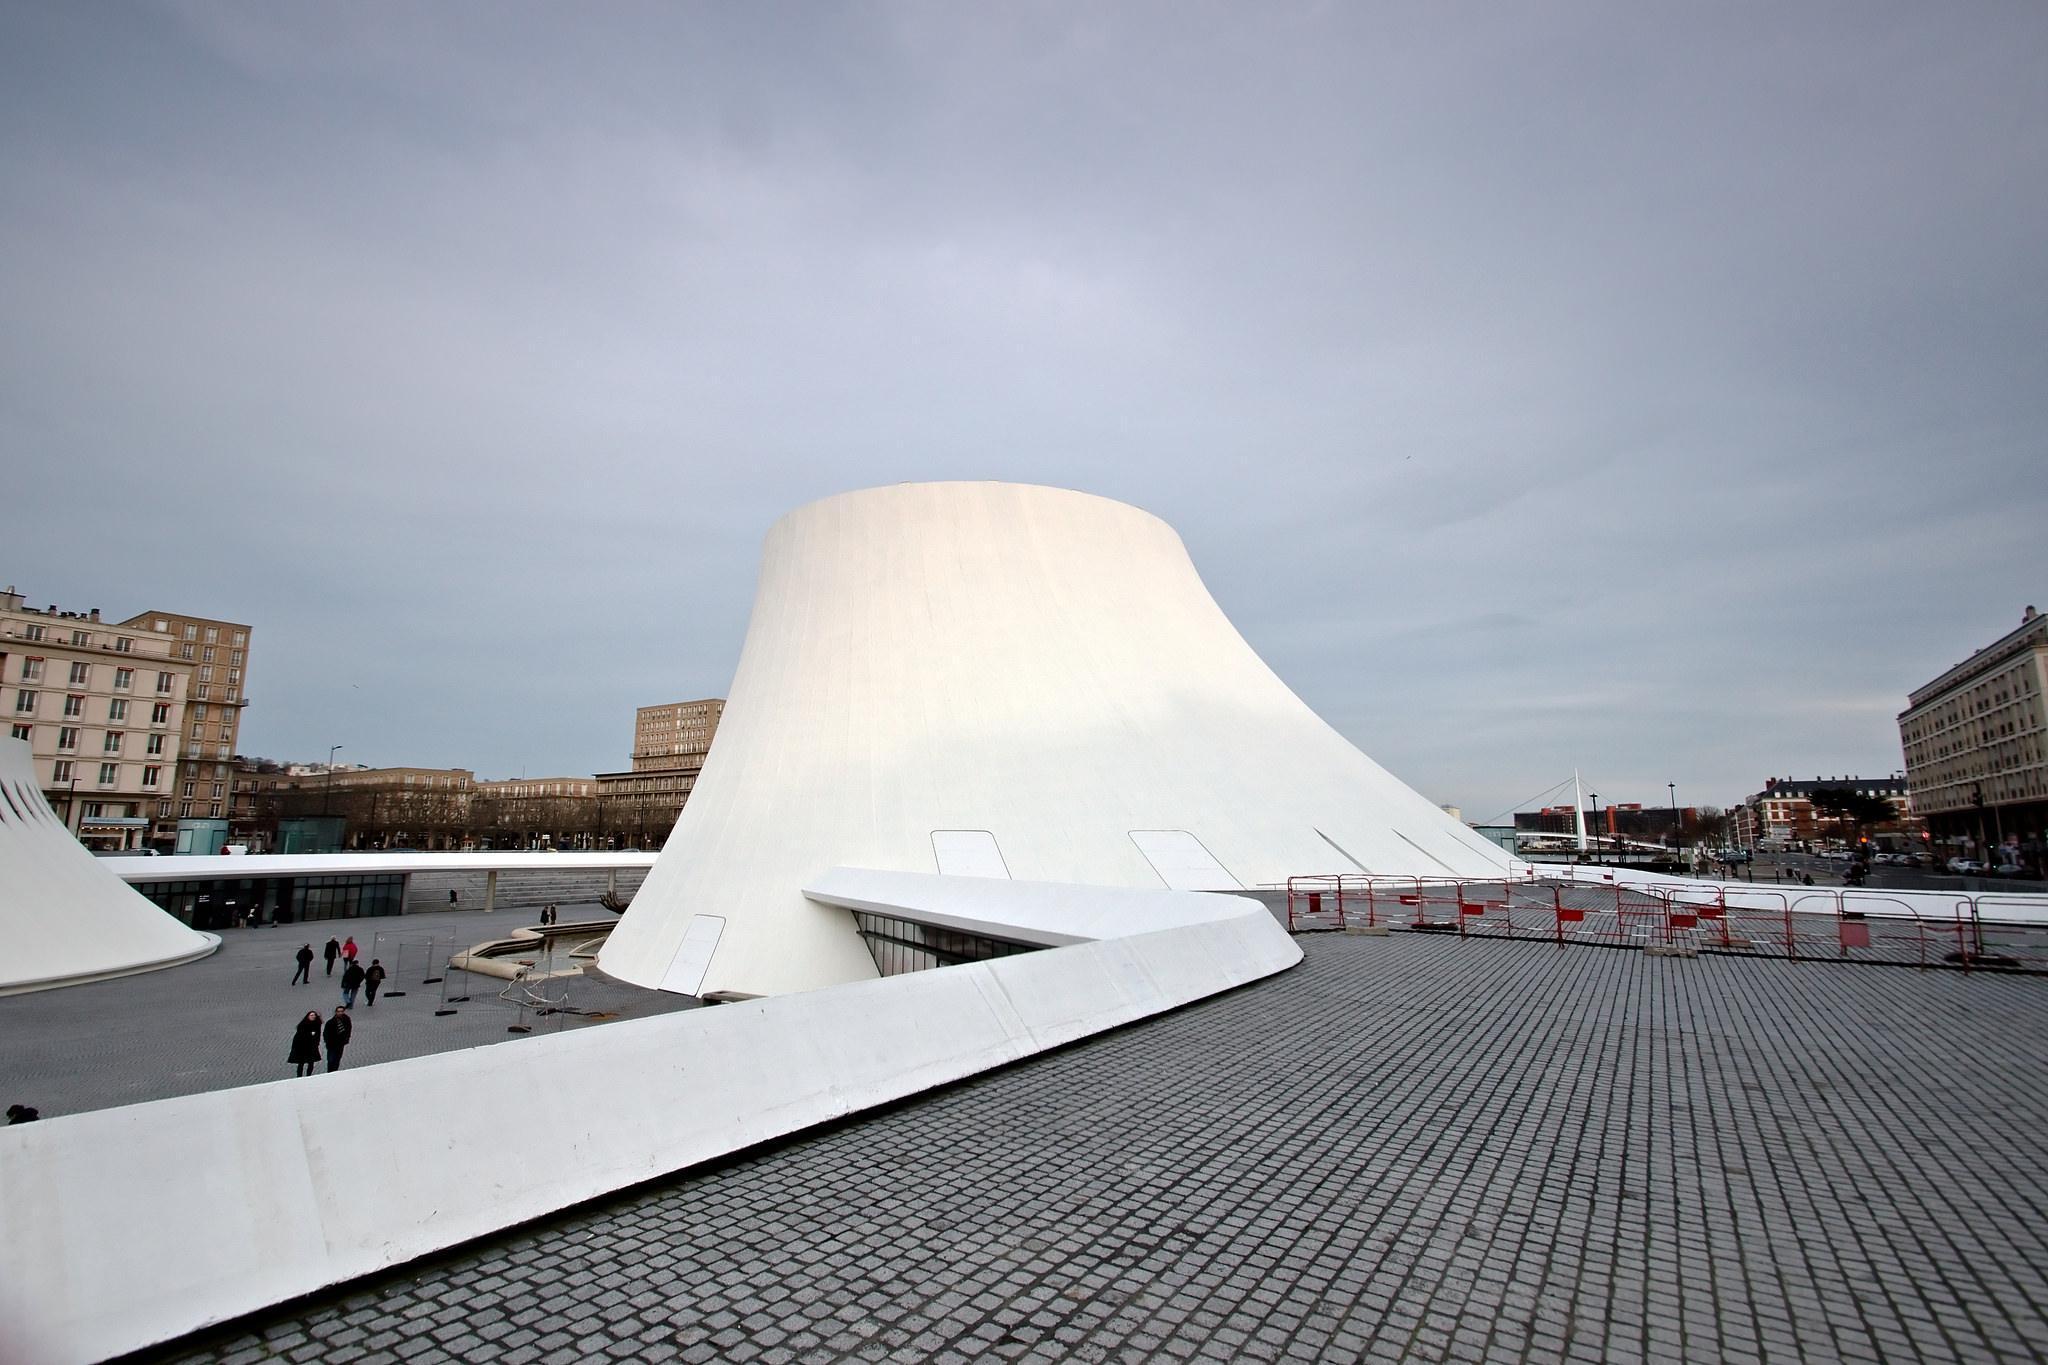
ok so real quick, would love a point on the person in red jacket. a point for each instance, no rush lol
(349, 949)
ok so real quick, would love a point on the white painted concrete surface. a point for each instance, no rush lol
(207, 867)
(1942, 907)
(129, 1227)
(64, 916)
(1041, 665)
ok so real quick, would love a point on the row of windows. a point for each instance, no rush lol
(62, 773)
(82, 638)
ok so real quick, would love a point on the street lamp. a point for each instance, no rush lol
(1596, 825)
(327, 792)
(1677, 827)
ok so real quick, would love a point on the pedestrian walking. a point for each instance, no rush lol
(451, 895)
(349, 949)
(351, 982)
(305, 1053)
(372, 979)
(305, 971)
(336, 1035)
(333, 950)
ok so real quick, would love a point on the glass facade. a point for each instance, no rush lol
(900, 946)
(278, 900)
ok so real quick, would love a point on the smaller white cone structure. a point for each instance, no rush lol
(991, 679)
(64, 916)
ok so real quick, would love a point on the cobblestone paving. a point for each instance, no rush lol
(1406, 1148)
(227, 1019)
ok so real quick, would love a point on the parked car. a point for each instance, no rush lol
(1963, 867)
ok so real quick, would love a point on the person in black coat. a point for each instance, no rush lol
(373, 978)
(332, 952)
(306, 1041)
(305, 971)
(351, 982)
(336, 1035)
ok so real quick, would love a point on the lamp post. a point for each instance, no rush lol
(1677, 828)
(1596, 825)
(327, 792)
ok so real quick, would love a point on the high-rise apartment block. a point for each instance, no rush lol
(102, 709)
(1976, 742)
(217, 655)
(670, 743)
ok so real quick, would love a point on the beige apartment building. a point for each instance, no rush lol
(217, 653)
(1976, 742)
(670, 743)
(103, 708)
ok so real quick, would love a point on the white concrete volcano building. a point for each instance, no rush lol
(65, 918)
(997, 680)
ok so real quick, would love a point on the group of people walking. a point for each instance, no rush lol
(333, 1033)
(354, 975)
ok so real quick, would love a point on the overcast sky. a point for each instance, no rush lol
(1655, 390)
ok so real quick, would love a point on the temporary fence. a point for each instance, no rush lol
(2008, 933)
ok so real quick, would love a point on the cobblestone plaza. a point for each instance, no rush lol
(1407, 1148)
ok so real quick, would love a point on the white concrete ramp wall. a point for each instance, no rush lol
(125, 1228)
(64, 916)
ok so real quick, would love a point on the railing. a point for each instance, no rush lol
(1796, 923)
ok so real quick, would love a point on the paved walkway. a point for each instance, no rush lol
(1407, 1148)
(227, 1019)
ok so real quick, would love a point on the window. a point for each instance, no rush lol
(185, 790)
(234, 675)
(206, 673)
(150, 775)
(117, 708)
(81, 675)
(124, 679)
(214, 810)
(31, 670)
(67, 737)
(163, 810)
(230, 695)
(112, 743)
(216, 789)
(213, 635)
(185, 809)
(24, 701)
(184, 651)
(60, 771)
(235, 657)
(197, 733)
(124, 644)
(241, 637)
(204, 691)
(74, 705)
(222, 752)
(155, 745)
(160, 714)
(32, 633)
(199, 713)
(110, 773)
(163, 682)
(23, 731)
(81, 639)
(206, 655)
(191, 632)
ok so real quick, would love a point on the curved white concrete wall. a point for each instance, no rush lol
(1036, 677)
(124, 1228)
(64, 916)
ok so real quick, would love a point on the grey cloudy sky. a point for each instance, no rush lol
(1654, 389)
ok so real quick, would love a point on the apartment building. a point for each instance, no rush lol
(1976, 744)
(217, 653)
(102, 706)
(1782, 814)
(670, 744)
